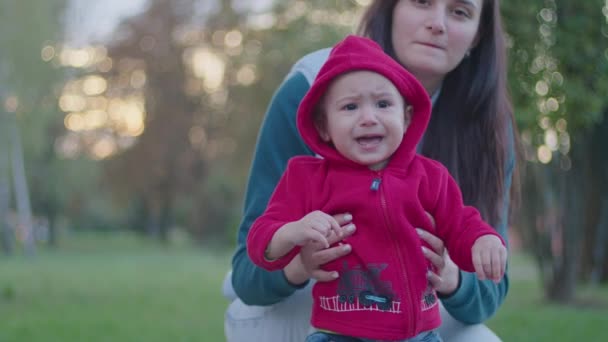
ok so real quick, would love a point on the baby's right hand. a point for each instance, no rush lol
(315, 226)
(489, 258)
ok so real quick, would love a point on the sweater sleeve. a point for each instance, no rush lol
(458, 225)
(277, 142)
(287, 204)
(477, 300)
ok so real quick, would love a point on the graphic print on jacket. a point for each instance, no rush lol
(360, 288)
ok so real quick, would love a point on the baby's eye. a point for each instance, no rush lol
(383, 104)
(350, 106)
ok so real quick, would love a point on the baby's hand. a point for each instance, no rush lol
(315, 226)
(489, 258)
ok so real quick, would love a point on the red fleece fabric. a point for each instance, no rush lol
(382, 291)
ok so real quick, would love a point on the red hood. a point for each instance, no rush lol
(358, 53)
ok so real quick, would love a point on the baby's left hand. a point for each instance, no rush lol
(489, 258)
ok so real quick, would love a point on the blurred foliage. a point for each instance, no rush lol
(558, 63)
(30, 84)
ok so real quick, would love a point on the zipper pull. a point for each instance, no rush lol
(376, 184)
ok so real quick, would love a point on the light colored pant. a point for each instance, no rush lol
(289, 321)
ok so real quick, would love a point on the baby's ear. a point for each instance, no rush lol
(323, 133)
(320, 122)
(407, 115)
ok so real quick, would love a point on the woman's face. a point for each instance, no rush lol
(431, 37)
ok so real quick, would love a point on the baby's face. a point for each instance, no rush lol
(365, 117)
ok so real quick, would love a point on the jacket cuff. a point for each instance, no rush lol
(292, 285)
(462, 295)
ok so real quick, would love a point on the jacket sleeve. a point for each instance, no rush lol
(277, 142)
(458, 225)
(287, 204)
(477, 300)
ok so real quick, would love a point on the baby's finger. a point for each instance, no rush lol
(320, 225)
(478, 265)
(332, 223)
(315, 235)
(345, 232)
(503, 259)
(495, 265)
(343, 219)
(486, 261)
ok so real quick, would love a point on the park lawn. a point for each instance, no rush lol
(526, 316)
(125, 292)
(104, 289)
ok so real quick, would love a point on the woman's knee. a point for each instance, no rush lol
(285, 321)
(452, 330)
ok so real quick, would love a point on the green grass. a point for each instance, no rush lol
(119, 288)
(526, 315)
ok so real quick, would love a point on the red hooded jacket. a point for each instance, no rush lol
(382, 291)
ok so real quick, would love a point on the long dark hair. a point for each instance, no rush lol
(472, 131)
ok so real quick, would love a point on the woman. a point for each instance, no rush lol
(456, 49)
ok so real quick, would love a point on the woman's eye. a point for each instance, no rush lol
(462, 13)
(350, 106)
(421, 2)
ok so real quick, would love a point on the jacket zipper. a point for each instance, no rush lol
(375, 186)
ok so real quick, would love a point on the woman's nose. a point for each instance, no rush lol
(436, 21)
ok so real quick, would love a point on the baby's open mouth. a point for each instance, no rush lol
(371, 140)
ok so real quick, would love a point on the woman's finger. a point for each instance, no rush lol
(434, 279)
(431, 218)
(437, 260)
(321, 275)
(324, 256)
(433, 241)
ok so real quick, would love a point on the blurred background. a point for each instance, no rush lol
(127, 128)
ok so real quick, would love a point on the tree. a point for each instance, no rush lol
(554, 69)
(26, 84)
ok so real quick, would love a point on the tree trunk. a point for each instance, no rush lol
(153, 220)
(601, 241)
(21, 190)
(53, 234)
(563, 285)
(6, 234)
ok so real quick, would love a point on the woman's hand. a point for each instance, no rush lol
(447, 276)
(313, 255)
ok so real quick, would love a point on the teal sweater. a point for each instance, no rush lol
(473, 302)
